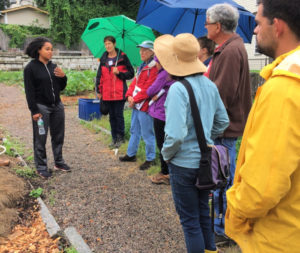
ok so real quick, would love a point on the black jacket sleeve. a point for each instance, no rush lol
(130, 71)
(98, 76)
(30, 90)
(63, 82)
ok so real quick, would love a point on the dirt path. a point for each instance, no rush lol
(113, 205)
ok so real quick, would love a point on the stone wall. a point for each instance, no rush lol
(12, 61)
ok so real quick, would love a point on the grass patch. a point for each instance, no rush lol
(12, 77)
(52, 197)
(26, 172)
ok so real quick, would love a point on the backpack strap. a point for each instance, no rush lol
(197, 119)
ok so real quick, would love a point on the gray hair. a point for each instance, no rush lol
(225, 14)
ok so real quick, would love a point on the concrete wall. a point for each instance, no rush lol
(17, 61)
(26, 17)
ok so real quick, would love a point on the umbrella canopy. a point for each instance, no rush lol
(188, 16)
(128, 35)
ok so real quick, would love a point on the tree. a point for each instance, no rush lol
(70, 17)
(4, 4)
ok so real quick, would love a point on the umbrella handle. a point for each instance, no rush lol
(117, 58)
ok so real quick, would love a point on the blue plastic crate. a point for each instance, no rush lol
(89, 109)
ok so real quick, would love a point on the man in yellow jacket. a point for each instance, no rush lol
(263, 213)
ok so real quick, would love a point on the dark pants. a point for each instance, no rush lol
(54, 119)
(116, 118)
(159, 126)
(192, 206)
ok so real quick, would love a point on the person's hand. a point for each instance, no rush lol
(130, 101)
(59, 72)
(35, 117)
(99, 95)
(115, 70)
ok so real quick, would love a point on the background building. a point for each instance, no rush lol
(256, 61)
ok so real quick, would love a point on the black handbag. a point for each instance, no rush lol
(103, 107)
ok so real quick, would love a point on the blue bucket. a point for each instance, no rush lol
(89, 109)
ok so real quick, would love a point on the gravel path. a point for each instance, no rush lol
(113, 205)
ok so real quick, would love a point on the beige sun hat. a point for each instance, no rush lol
(179, 55)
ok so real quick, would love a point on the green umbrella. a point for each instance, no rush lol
(128, 35)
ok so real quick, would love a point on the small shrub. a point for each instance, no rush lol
(36, 192)
(26, 172)
(70, 250)
(79, 82)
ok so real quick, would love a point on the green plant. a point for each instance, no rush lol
(26, 172)
(11, 77)
(18, 33)
(13, 146)
(9, 147)
(36, 192)
(79, 82)
(70, 250)
(52, 197)
(29, 158)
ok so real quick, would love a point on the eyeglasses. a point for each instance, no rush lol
(206, 23)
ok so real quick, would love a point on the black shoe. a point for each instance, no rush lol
(223, 240)
(63, 167)
(127, 158)
(45, 174)
(146, 165)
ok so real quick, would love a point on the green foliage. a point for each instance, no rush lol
(69, 18)
(36, 192)
(79, 81)
(11, 77)
(70, 250)
(19, 33)
(52, 197)
(8, 144)
(26, 172)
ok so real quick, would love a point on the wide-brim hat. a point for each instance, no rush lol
(179, 55)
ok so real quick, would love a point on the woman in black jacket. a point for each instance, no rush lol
(43, 83)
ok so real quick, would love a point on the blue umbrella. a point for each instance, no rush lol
(188, 16)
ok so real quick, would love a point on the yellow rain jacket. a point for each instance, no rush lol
(263, 213)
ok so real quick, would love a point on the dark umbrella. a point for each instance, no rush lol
(189, 16)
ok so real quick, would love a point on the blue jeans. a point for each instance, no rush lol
(192, 206)
(229, 143)
(141, 126)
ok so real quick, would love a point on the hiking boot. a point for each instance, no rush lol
(63, 167)
(146, 165)
(45, 174)
(160, 179)
(127, 158)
